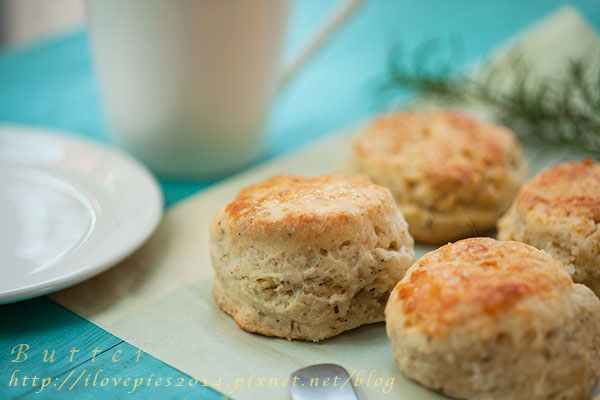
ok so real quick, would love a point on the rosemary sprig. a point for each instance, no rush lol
(560, 111)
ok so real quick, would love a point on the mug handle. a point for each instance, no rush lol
(342, 12)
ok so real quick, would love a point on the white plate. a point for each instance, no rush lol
(69, 209)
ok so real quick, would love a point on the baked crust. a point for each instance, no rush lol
(473, 278)
(559, 211)
(301, 207)
(451, 175)
(486, 319)
(308, 258)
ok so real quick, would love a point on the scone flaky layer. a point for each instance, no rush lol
(486, 319)
(451, 175)
(559, 211)
(308, 258)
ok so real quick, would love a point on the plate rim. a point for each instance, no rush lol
(154, 203)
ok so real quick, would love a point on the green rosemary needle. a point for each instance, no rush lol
(562, 110)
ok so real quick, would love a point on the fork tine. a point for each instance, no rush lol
(323, 382)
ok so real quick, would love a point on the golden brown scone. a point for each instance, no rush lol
(558, 211)
(451, 175)
(486, 319)
(308, 258)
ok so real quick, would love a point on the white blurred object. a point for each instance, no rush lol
(61, 220)
(25, 20)
(187, 85)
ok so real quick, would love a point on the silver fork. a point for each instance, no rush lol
(322, 382)
(307, 384)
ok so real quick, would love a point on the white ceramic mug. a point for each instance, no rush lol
(187, 84)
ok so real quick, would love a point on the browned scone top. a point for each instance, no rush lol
(473, 278)
(452, 175)
(451, 150)
(308, 258)
(567, 194)
(559, 211)
(301, 207)
(485, 319)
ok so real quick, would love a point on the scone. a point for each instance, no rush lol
(559, 211)
(486, 319)
(308, 258)
(451, 175)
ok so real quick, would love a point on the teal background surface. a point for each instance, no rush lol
(52, 84)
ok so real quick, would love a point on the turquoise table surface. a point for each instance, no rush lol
(52, 84)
